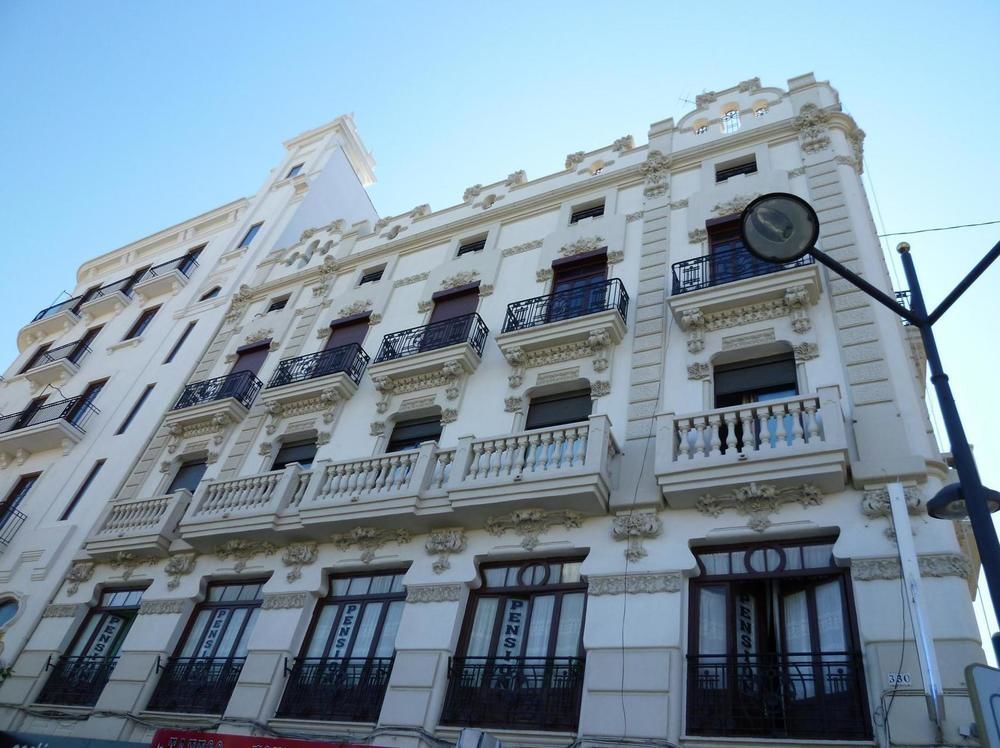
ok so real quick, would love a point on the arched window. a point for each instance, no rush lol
(210, 294)
(731, 121)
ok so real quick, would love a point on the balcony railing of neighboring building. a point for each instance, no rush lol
(468, 328)
(725, 266)
(72, 352)
(69, 304)
(347, 690)
(800, 696)
(241, 385)
(196, 685)
(575, 302)
(10, 522)
(77, 681)
(350, 359)
(75, 411)
(184, 265)
(540, 693)
(903, 298)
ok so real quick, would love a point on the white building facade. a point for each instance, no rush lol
(561, 462)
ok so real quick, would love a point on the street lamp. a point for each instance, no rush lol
(780, 228)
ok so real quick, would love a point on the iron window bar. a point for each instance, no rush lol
(241, 385)
(73, 352)
(77, 681)
(594, 211)
(468, 328)
(575, 302)
(75, 411)
(725, 266)
(351, 690)
(350, 359)
(541, 693)
(69, 304)
(196, 685)
(184, 265)
(10, 522)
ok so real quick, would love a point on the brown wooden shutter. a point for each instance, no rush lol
(251, 358)
(350, 330)
(455, 303)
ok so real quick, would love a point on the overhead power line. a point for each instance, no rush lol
(941, 228)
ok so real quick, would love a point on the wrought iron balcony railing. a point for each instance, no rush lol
(75, 411)
(725, 266)
(77, 681)
(348, 690)
(241, 385)
(124, 286)
(575, 302)
(903, 298)
(72, 352)
(70, 304)
(184, 265)
(350, 359)
(469, 328)
(808, 695)
(540, 693)
(10, 522)
(196, 685)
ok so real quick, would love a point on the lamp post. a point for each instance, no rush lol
(780, 228)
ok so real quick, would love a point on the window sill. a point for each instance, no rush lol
(130, 343)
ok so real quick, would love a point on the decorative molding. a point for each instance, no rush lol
(578, 247)
(376, 428)
(369, 540)
(655, 190)
(693, 323)
(758, 501)
(443, 543)
(758, 337)
(634, 528)
(259, 335)
(241, 299)
(632, 584)
(424, 306)
(678, 204)
(575, 159)
(797, 172)
(697, 236)
(699, 370)
(931, 565)
(704, 99)
(513, 404)
(656, 167)
(530, 523)
(615, 256)
(875, 502)
(735, 205)
(434, 593)
(485, 289)
(560, 375)
(519, 248)
(751, 85)
(543, 275)
(449, 415)
(515, 178)
(61, 611)
(242, 551)
(632, 217)
(284, 600)
(79, 572)
(805, 352)
(416, 403)
(420, 211)
(411, 279)
(178, 566)
(811, 124)
(129, 562)
(471, 193)
(600, 388)
(459, 279)
(359, 306)
(797, 301)
(624, 143)
(161, 607)
(297, 555)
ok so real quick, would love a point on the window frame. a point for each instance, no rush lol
(371, 275)
(250, 235)
(413, 422)
(587, 209)
(555, 397)
(295, 170)
(207, 604)
(142, 323)
(471, 245)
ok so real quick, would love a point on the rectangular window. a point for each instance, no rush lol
(294, 171)
(81, 490)
(302, 451)
(411, 434)
(37, 359)
(734, 168)
(348, 333)
(372, 276)
(452, 304)
(277, 304)
(18, 493)
(731, 121)
(729, 259)
(84, 406)
(135, 409)
(180, 342)
(754, 381)
(142, 323)
(472, 245)
(590, 210)
(560, 409)
(250, 358)
(188, 476)
(251, 233)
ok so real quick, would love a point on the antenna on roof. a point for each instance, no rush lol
(684, 100)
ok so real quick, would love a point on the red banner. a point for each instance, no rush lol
(164, 738)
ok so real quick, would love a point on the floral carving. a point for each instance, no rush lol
(515, 178)
(677, 205)
(178, 566)
(543, 275)
(519, 248)
(449, 415)
(297, 555)
(931, 565)
(434, 593)
(697, 236)
(624, 143)
(812, 126)
(530, 523)
(241, 299)
(758, 501)
(632, 217)
(736, 205)
(241, 551)
(459, 279)
(79, 572)
(575, 159)
(751, 85)
(362, 305)
(410, 279)
(471, 193)
(443, 543)
(694, 323)
(128, 562)
(699, 370)
(805, 351)
(284, 600)
(590, 244)
(600, 388)
(655, 167)
(376, 428)
(875, 502)
(259, 335)
(634, 528)
(369, 540)
(420, 211)
(513, 404)
(161, 607)
(60, 611)
(620, 584)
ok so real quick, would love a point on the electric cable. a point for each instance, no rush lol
(941, 228)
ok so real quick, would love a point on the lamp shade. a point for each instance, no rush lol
(949, 503)
(779, 227)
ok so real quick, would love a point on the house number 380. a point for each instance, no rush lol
(900, 679)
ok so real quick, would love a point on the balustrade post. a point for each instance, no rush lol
(460, 466)
(597, 457)
(316, 484)
(831, 415)
(668, 447)
(423, 468)
(285, 487)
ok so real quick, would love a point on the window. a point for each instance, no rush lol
(190, 260)
(371, 276)
(142, 323)
(188, 476)
(79, 677)
(731, 169)
(411, 434)
(201, 677)
(755, 381)
(471, 245)
(302, 451)
(731, 121)
(701, 129)
(28, 414)
(83, 345)
(590, 210)
(135, 409)
(81, 490)
(210, 293)
(37, 358)
(84, 405)
(294, 171)
(17, 494)
(8, 609)
(251, 357)
(458, 302)
(350, 332)
(251, 233)
(578, 286)
(345, 663)
(521, 643)
(560, 409)
(729, 259)
(451, 318)
(760, 110)
(773, 644)
(277, 304)
(180, 342)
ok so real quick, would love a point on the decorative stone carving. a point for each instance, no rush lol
(578, 247)
(557, 376)
(259, 335)
(515, 178)
(655, 190)
(411, 279)
(633, 584)
(485, 289)
(677, 205)
(362, 305)
(323, 437)
(543, 275)
(856, 137)
(634, 528)
(805, 351)
(369, 540)
(875, 502)
(264, 449)
(797, 301)
(471, 193)
(704, 99)
(443, 543)
(434, 593)
(376, 428)
(241, 551)
(297, 555)
(632, 217)
(128, 562)
(530, 523)
(758, 337)
(178, 566)
(459, 279)
(79, 572)
(811, 124)
(751, 85)
(519, 248)
(697, 236)
(693, 322)
(381, 224)
(449, 415)
(420, 211)
(575, 159)
(513, 404)
(656, 167)
(624, 143)
(284, 600)
(736, 205)
(699, 370)
(758, 501)
(931, 565)
(60, 611)
(241, 299)
(600, 388)
(160, 607)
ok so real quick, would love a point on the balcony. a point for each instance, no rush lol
(195, 685)
(228, 397)
(141, 526)
(109, 299)
(781, 442)
(566, 317)
(54, 320)
(56, 365)
(48, 426)
(165, 278)
(77, 681)
(519, 693)
(723, 267)
(812, 695)
(337, 371)
(427, 348)
(343, 690)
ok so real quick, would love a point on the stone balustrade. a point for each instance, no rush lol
(138, 525)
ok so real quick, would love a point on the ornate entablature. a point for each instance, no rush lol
(758, 501)
(530, 524)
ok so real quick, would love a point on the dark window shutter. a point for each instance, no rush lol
(188, 476)
(771, 373)
(348, 332)
(556, 410)
(450, 306)
(251, 359)
(410, 434)
(302, 452)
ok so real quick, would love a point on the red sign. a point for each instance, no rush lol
(187, 739)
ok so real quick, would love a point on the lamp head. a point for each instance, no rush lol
(779, 227)
(949, 503)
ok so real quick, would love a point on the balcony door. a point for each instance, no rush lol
(348, 332)
(730, 259)
(84, 405)
(250, 358)
(757, 381)
(578, 286)
(345, 339)
(450, 319)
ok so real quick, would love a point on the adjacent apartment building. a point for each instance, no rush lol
(561, 462)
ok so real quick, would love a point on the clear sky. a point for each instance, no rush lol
(118, 119)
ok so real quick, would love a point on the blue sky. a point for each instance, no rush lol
(122, 118)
